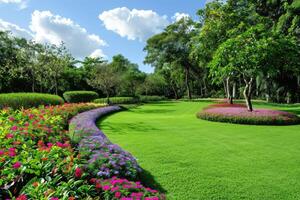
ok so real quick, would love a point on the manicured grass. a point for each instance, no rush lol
(194, 159)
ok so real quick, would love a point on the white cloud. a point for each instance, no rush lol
(178, 16)
(15, 29)
(54, 29)
(21, 3)
(133, 24)
(98, 53)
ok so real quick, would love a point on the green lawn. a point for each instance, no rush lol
(193, 159)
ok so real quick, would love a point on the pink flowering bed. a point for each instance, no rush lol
(238, 113)
(39, 161)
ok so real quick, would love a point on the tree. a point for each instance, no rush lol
(254, 51)
(104, 78)
(173, 46)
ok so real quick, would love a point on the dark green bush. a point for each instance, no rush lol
(80, 96)
(118, 100)
(27, 100)
(146, 99)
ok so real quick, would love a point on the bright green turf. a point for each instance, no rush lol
(194, 159)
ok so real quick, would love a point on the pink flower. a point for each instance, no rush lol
(78, 172)
(8, 136)
(12, 152)
(17, 165)
(118, 195)
(106, 187)
(22, 197)
(49, 144)
(115, 189)
(54, 198)
(1, 152)
(127, 198)
(14, 128)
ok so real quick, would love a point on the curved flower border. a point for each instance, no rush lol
(94, 141)
(85, 123)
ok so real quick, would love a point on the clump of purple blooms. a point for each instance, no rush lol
(105, 159)
(240, 114)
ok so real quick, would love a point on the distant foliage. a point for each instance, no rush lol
(80, 96)
(28, 100)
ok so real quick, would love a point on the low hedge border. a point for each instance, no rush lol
(28, 100)
(130, 100)
(80, 96)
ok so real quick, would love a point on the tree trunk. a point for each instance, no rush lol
(107, 98)
(234, 90)
(187, 82)
(205, 87)
(248, 94)
(229, 96)
(175, 91)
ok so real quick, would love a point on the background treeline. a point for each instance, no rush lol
(26, 66)
(237, 48)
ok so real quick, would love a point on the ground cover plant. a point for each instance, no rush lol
(199, 159)
(238, 113)
(39, 161)
(27, 100)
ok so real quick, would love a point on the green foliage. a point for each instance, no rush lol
(146, 99)
(27, 100)
(80, 96)
(118, 100)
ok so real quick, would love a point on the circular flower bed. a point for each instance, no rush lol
(238, 113)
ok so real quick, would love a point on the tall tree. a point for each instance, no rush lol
(104, 78)
(173, 46)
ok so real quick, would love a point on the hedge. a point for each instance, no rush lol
(80, 96)
(28, 100)
(118, 100)
(146, 99)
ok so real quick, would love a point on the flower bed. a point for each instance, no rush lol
(238, 113)
(38, 160)
(105, 159)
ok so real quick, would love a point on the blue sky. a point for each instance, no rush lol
(78, 24)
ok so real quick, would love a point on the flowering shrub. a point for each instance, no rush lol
(116, 188)
(34, 143)
(240, 115)
(38, 161)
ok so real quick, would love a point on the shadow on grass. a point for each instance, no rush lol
(148, 180)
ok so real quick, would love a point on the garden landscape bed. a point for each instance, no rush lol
(238, 114)
(38, 159)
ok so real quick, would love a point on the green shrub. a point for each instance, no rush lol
(151, 98)
(118, 100)
(80, 96)
(27, 100)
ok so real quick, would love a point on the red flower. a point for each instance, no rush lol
(22, 197)
(8, 136)
(14, 128)
(17, 165)
(118, 195)
(78, 172)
